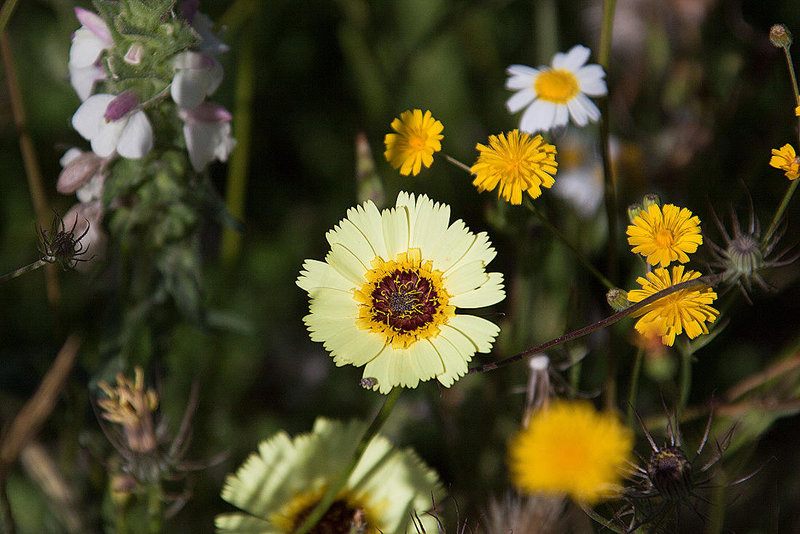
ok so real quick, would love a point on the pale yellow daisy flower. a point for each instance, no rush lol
(386, 296)
(278, 487)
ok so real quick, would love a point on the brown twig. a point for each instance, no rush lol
(33, 415)
(32, 170)
(708, 280)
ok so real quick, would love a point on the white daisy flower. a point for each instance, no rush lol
(386, 295)
(554, 94)
(277, 487)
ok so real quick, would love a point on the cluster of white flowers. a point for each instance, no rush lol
(118, 123)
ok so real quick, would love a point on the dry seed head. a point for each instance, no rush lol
(780, 36)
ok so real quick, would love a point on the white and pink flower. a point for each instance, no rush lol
(88, 43)
(207, 130)
(113, 123)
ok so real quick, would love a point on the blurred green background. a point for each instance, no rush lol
(698, 97)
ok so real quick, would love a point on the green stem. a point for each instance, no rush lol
(333, 491)
(788, 55)
(610, 194)
(685, 380)
(242, 122)
(457, 163)
(779, 213)
(634, 389)
(5, 13)
(561, 237)
(155, 509)
(588, 510)
(708, 280)
(22, 270)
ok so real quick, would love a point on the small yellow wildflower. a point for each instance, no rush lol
(785, 159)
(571, 448)
(665, 235)
(797, 111)
(685, 310)
(418, 137)
(513, 164)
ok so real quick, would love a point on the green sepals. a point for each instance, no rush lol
(146, 15)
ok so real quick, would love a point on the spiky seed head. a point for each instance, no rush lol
(780, 36)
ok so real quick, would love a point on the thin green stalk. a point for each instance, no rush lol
(22, 270)
(708, 280)
(776, 219)
(333, 491)
(788, 56)
(588, 510)
(155, 509)
(685, 385)
(5, 13)
(561, 237)
(633, 394)
(604, 52)
(242, 123)
(457, 163)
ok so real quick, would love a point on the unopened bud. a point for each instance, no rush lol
(78, 172)
(651, 199)
(122, 104)
(633, 211)
(617, 299)
(780, 36)
(670, 472)
(369, 383)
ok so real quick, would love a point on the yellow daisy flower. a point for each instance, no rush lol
(663, 235)
(786, 160)
(277, 487)
(386, 295)
(418, 137)
(571, 448)
(685, 310)
(517, 163)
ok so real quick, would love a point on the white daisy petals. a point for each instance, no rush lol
(554, 95)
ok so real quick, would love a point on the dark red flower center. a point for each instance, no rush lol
(404, 300)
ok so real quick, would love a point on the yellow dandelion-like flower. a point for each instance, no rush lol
(513, 164)
(418, 137)
(663, 235)
(797, 111)
(686, 310)
(277, 487)
(573, 449)
(785, 159)
(387, 293)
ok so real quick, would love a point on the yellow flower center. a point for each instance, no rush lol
(418, 141)
(403, 300)
(345, 515)
(557, 86)
(664, 238)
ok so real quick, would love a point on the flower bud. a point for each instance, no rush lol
(78, 171)
(651, 199)
(780, 36)
(633, 211)
(670, 472)
(617, 299)
(122, 104)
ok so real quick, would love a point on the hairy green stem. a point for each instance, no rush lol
(561, 237)
(708, 280)
(5, 13)
(685, 385)
(22, 270)
(457, 163)
(333, 491)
